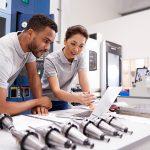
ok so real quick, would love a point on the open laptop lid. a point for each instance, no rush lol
(106, 101)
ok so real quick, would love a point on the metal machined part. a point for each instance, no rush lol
(6, 122)
(70, 130)
(53, 137)
(106, 128)
(29, 140)
(89, 129)
(116, 123)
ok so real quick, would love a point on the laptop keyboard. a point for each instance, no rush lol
(83, 114)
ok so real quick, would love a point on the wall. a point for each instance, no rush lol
(132, 32)
(62, 21)
(85, 12)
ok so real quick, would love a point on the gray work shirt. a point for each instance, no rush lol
(12, 59)
(56, 64)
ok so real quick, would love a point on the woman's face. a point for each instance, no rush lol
(74, 45)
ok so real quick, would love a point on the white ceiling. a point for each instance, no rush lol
(129, 6)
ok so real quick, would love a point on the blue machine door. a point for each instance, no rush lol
(22, 20)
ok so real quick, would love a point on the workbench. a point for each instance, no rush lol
(140, 139)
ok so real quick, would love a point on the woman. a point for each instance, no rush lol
(61, 67)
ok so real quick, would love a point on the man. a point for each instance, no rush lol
(19, 49)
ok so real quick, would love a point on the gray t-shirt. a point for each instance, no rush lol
(12, 59)
(56, 64)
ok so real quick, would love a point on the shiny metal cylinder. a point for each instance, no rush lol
(91, 130)
(71, 131)
(29, 140)
(106, 128)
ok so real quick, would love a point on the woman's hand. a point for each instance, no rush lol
(86, 98)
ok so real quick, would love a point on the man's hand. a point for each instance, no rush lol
(40, 110)
(45, 102)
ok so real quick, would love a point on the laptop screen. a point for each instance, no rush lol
(106, 101)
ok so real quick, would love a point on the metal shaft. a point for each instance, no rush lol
(6, 121)
(54, 138)
(28, 140)
(91, 130)
(106, 128)
(70, 130)
(117, 124)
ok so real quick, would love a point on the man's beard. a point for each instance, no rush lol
(33, 49)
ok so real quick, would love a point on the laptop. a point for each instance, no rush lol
(106, 101)
(103, 105)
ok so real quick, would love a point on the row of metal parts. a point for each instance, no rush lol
(65, 135)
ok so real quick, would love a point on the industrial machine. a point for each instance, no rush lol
(104, 62)
(5, 17)
(141, 87)
(93, 57)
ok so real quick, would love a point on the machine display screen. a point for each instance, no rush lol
(140, 72)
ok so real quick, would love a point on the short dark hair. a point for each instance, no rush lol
(39, 22)
(77, 29)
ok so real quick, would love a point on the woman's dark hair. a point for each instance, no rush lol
(39, 22)
(77, 29)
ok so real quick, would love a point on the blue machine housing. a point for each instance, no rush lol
(17, 11)
(21, 11)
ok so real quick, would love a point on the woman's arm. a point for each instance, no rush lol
(83, 80)
(67, 96)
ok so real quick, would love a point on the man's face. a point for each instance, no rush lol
(75, 45)
(40, 41)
